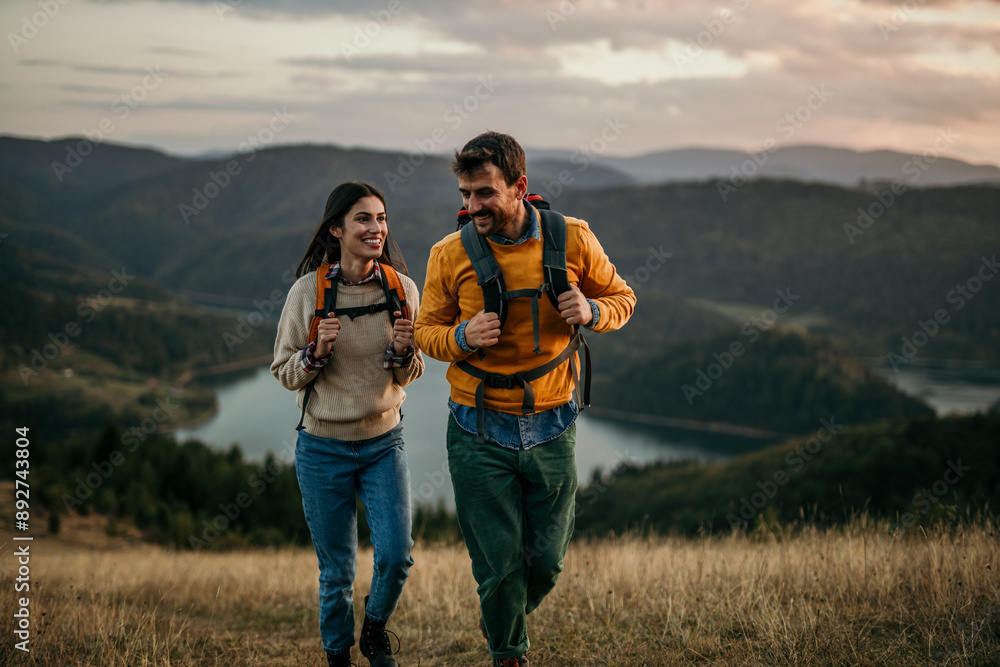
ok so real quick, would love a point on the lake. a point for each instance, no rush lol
(260, 415)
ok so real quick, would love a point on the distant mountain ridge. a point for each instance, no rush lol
(819, 164)
(584, 168)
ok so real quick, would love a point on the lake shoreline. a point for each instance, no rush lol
(688, 424)
(219, 369)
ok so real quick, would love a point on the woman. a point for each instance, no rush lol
(349, 375)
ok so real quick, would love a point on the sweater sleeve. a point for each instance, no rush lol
(600, 282)
(293, 336)
(435, 327)
(404, 375)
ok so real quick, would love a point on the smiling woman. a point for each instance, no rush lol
(354, 361)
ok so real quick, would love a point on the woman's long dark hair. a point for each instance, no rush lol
(324, 248)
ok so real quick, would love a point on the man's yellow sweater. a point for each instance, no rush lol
(452, 295)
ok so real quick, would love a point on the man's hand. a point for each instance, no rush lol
(402, 334)
(574, 307)
(483, 330)
(325, 335)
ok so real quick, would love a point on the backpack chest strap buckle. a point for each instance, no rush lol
(504, 381)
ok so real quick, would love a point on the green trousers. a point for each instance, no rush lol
(516, 511)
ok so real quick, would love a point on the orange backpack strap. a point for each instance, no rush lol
(326, 301)
(326, 296)
(395, 294)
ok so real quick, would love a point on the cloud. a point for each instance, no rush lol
(143, 71)
(267, 9)
(175, 51)
(679, 73)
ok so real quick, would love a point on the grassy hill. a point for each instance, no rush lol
(851, 597)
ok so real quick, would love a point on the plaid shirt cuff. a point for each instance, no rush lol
(392, 360)
(309, 362)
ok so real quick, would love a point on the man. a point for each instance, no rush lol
(515, 492)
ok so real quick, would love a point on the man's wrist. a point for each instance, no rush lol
(460, 338)
(595, 313)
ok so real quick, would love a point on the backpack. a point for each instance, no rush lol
(495, 298)
(326, 302)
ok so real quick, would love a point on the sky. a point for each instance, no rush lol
(620, 76)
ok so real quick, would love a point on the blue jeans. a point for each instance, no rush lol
(330, 472)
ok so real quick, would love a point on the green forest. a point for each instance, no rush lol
(909, 473)
(781, 380)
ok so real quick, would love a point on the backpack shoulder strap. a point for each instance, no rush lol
(488, 273)
(326, 302)
(395, 293)
(326, 299)
(554, 251)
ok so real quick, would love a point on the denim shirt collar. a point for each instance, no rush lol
(533, 232)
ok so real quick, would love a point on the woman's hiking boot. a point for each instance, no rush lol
(375, 643)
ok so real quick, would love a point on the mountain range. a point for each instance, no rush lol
(813, 164)
(868, 264)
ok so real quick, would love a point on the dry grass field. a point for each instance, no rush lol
(855, 596)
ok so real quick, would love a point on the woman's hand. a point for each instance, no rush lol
(325, 335)
(402, 334)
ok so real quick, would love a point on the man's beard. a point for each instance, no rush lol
(497, 222)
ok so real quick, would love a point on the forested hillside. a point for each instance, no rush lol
(782, 380)
(909, 473)
(868, 265)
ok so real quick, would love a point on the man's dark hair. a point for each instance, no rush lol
(500, 149)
